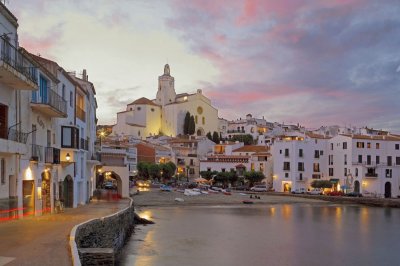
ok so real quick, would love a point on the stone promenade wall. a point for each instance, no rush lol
(100, 241)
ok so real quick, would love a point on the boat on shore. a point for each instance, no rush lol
(248, 202)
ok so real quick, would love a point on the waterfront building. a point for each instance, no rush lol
(249, 125)
(165, 115)
(298, 160)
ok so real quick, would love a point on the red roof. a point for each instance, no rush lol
(144, 101)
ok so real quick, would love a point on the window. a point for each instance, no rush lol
(331, 146)
(344, 145)
(63, 92)
(369, 159)
(203, 120)
(152, 109)
(286, 175)
(377, 159)
(301, 153)
(69, 137)
(369, 145)
(286, 152)
(397, 146)
(377, 146)
(3, 171)
(388, 173)
(3, 121)
(360, 145)
(261, 167)
(356, 171)
(280, 151)
(397, 160)
(191, 162)
(316, 154)
(316, 167)
(345, 171)
(208, 169)
(286, 166)
(389, 160)
(139, 108)
(71, 99)
(321, 153)
(330, 159)
(223, 170)
(300, 166)
(301, 176)
(195, 119)
(330, 171)
(345, 159)
(191, 171)
(359, 158)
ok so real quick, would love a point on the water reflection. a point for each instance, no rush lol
(288, 234)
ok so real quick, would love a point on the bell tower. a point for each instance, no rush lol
(166, 88)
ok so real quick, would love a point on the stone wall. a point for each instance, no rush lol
(100, 241)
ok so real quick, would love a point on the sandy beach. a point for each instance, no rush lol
(157, 198)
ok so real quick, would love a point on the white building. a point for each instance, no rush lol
(250, 125)
(165, 115)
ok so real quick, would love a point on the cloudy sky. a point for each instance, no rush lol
(312, 62)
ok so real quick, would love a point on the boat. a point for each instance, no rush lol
(204, 192)
(165, 188)
(248, 202)
(179, 199)
(190, 192)
(227, 193)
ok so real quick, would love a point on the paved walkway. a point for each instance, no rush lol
(44, 240)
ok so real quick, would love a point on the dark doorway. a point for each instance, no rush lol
(28, 193)
(46, 203)
(388, 190)
(357, 186)
(68, 192)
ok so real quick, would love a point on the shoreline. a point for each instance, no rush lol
(156, 198)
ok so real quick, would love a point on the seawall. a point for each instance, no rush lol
(100, 241)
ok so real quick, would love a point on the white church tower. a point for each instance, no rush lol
(166, 88)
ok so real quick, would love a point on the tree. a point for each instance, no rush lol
(209, 136)
(143, 171)
(321, 184)
(154, 170)
(247, 139)
(208, 174)
(186, 124)
(215, 137)
(254, 176)
(192, 126)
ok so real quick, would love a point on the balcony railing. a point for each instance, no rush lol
(37, 153)
(52, 155)
(14, 58)
(80, 113)
(371, 175)
(315, 176)
(236, 131)
(53, 100)
(17, 136)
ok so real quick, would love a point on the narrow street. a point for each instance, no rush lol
(44, 240)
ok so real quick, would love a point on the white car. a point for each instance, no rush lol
(299, 191)
(316, 191)
(259, 188)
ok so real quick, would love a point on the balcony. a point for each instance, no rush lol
(80, 113)
(371, 175)
(52, 155)
(13, 142)
(316, 176)
(50, 104)
(301, 179)
(37, 153)
(16, 71)
(236, 131)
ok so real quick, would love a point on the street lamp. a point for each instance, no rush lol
(101, 135)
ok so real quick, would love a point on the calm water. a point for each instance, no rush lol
(295, 234)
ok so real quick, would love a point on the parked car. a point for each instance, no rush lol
(259, 188)
(109, 185)
(316, 191)
(354, 194)
(335, 193)
(299, 191)
(243, 188)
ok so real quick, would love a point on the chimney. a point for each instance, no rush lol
(84, 75)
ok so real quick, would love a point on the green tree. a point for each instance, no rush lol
(247, 139)
(254, 177)
(192, 126)
(215, 137)
(222, 177)
(321, 184)
(208, 174)
(154, 171)
(186, 124)
(143, 171)
(209, 136)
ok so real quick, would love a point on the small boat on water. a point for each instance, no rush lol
(227, 193)
(191, 192)
(204, 192)
(248, 202)
(179, 199)
(165, 188)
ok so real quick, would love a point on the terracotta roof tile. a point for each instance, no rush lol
(252, 148)
(144, 101)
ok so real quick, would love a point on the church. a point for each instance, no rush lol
(165, 115)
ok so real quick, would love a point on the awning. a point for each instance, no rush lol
(334, 180)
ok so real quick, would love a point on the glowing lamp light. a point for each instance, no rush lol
(28, 174)
(338, 187)
(39, 193)
(67, 157)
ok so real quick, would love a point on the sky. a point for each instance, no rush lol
(315, 63)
